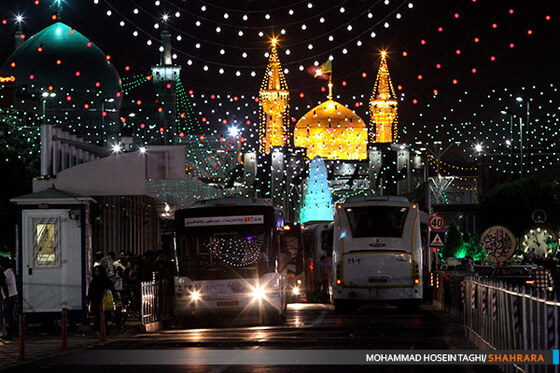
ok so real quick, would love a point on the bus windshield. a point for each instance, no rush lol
(377, 221)
(222, 252)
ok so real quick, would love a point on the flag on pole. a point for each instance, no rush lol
(321, 72)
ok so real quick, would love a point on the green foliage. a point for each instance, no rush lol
(512, 204)
(19, 163)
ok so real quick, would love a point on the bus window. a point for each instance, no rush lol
(377, 221)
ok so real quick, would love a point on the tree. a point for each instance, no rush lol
(512, 205)
(453, 241)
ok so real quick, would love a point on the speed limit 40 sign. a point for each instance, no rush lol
(437, 223)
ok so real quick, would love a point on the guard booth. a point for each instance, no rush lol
(53, 253)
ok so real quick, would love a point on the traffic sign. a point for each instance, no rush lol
(437, 223)
(437, 239)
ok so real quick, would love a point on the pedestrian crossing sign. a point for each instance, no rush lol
(437, 239)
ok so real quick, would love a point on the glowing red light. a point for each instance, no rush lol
(235, 98)
(494, 25)
(149, 77)
(40, 49)
(104, 113)
(455, 81)
(97, 84)
(440, 29)
(323, 89)
(36, 2)
(72, 31)
(423, 42)
(473, 70)
(123, 120)
(182, 115)
(68, 98)
(547, 18)
(212, 97)
(492, 58)
(399, 87)
(191, 92)
(53, 17)
(404, 54)
(139, 102)
(78, 73)
(31, 76)
(511, 11)
(58, 62)
(364, 75)
(181, 134)
(435, 91)
(13, 64)
(419, 77)
(222, 139)
(458, 51)
(456, 15)
(338, 281)
(414, 206)
(301, 95)
(511, 45)
(242, 139)
(294, 119)
(204, 119)
(142, 125)
(529, 32)
(438, 66)
(476, 40)
(89, 44)
(256, 99)
(414, 101)
(202, 137)
(118, 94)
(224, 121)
(248, 122)
(86, 106)
(339, 206)
(4, 21)
(108, 57)
(168, 85)
(161, 129)
(357, 104)
(127, 68)
(160, 109)
(51, 88)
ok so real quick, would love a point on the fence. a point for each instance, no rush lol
(500, 316)
(151, 307)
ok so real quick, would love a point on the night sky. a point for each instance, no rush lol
(455, 64)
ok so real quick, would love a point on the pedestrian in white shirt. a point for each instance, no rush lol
(10, 300)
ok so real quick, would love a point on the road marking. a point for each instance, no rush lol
(319, 318)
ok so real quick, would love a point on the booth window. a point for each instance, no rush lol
(46, 244)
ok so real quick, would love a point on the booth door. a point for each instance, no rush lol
(51, 261)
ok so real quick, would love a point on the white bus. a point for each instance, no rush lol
(231, 261)
(380, 252)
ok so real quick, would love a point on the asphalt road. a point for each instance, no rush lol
(308, 327)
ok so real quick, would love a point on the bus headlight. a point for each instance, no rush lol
(259, 293)
(295, 290)
(195, 295)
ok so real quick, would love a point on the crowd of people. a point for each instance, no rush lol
(121, 277)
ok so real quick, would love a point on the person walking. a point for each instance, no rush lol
(96, 290)
(10, 298)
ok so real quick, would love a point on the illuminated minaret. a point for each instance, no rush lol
(383, 107)
(165, 76)
(274, 100)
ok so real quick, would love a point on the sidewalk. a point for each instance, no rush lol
(39, 345)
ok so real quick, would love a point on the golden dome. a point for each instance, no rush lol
(332, 131)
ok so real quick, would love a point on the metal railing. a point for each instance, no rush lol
(501, 316)
(151, 306)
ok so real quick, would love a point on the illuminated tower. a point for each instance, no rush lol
(274, 100)
(383, 106)
(165, 76)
